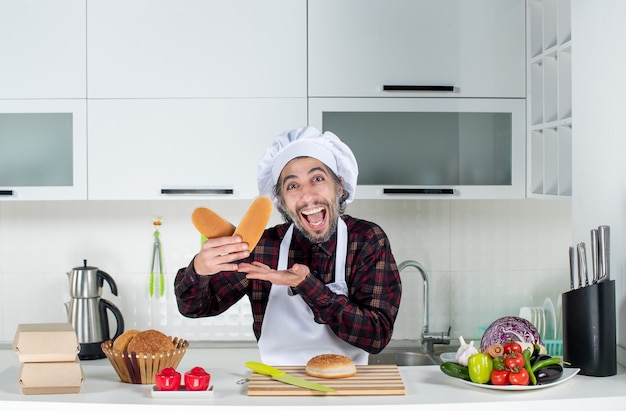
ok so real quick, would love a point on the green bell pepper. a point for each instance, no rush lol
(480, 366)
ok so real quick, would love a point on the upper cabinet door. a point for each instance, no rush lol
(477, 48)
(42, 48)
(150, 149)
(196, 48)
(43, 149)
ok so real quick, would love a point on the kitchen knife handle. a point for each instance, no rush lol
(594, 256)
(264, 369)
(582, 263)
(572, 265)
(396, 87)
(604, 235)
(585, 270)
(6, 192)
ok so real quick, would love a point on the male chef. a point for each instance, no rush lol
(321, 282)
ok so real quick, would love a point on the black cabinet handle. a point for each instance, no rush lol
(394, 87)
(6, 192)
(197, 191)
(444, 191)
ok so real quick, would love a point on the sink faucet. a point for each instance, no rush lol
(428, 338)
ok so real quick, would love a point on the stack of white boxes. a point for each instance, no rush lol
(48, 354)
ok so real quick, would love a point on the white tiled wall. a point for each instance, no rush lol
(485, 259)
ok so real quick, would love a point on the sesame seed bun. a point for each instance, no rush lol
(121, 342)
(330, 366)
(150, 341)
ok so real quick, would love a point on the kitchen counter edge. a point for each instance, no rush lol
(426, 386)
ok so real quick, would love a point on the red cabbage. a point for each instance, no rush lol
(506, 329)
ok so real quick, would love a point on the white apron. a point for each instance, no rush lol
(290, 335)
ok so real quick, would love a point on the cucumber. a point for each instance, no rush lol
(455, 370)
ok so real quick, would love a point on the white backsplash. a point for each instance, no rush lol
(485, 259)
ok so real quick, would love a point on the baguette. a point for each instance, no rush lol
(254, 221)
(210, 224)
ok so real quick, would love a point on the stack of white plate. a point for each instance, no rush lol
(551, 320)
(543, 318)
(537, 316)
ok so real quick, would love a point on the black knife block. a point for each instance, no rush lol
(589, 336)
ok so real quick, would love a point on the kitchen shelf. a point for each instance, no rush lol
(549, 99)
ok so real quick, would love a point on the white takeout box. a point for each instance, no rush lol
(46, 342)
(51, 377)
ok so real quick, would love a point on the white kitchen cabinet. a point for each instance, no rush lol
(430, 148)
(43, 149)
(177, 148)
(43, 49)
(357, 47)
(196, 48)
(185, 96)
(549, 99)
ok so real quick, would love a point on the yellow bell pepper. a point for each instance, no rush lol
(480, 366)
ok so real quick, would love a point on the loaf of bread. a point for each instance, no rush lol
(330, 366)
(211, 225)
(254, 221)
(121, 342)
(150, 341)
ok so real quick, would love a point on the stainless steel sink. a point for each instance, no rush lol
(403, 358)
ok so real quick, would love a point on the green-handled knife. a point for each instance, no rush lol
(282, 376)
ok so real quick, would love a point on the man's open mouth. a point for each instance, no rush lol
(315, 217)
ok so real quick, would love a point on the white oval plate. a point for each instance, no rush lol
(448, 356)
(568, 373)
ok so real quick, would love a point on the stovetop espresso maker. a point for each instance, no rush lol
(87, 311)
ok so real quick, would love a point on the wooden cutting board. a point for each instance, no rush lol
(369, 380)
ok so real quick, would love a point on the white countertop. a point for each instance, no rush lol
(426, 386)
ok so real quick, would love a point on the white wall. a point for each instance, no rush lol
(599, 133)
(486, 259)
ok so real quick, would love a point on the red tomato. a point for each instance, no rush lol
(500, 377)
(514, 362)
(519, 378)
(512, 347)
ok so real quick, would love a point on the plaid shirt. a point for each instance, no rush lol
(364, 318)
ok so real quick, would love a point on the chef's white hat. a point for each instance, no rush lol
(309, 142)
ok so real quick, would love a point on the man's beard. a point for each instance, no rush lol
(333, 214)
